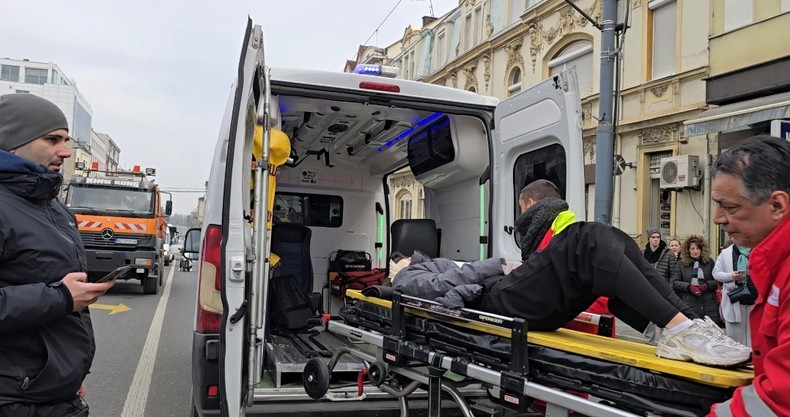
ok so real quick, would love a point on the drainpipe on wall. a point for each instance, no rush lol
(706, 194)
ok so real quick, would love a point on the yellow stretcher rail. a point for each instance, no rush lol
(614, 350)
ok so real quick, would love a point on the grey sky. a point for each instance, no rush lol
(158, 73)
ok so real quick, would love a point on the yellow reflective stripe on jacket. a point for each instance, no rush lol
(563, 220)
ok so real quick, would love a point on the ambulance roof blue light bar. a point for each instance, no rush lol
(376, 70)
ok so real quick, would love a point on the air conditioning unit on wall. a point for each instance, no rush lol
(679, 172)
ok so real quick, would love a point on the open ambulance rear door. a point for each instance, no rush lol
(242, 250)
(537, 134)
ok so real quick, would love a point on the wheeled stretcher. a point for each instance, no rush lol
(520, 366)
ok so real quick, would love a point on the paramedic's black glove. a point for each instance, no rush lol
(703, 287)
(695, 289)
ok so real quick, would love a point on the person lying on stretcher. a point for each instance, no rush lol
(566, 266)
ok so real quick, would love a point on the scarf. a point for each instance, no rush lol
(743, 258)
(533, 224)
(653, 256)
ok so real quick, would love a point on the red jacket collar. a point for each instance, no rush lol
(768, 257)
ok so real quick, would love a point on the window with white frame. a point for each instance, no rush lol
(664, 17)
(9, 73)
(738, 13)
(404, 204)
(413, 63)
(580, 55)
(468, 32)
(405, 69)
(440, 48)
(514, 82)
(478, 24)
(35, 76)
(516, 8)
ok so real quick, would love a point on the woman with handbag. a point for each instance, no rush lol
(738, 293)
(693, 278)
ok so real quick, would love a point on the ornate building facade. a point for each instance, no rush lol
(500, 47)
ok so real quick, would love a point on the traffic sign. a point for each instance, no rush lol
(619, 164)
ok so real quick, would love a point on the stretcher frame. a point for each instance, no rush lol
(511, 386)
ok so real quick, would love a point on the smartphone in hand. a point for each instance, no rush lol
(117, 272)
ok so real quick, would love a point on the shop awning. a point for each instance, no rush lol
(744, 113)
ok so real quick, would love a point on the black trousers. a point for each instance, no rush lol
(76, 407)
(584, 262)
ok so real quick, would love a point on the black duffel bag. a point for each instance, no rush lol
(349, 260)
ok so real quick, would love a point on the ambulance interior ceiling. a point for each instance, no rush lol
(352, 133)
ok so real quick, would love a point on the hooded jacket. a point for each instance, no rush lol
(46, 350)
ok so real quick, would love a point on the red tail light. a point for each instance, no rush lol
(208, 321)
(369, 85)
(211, 252)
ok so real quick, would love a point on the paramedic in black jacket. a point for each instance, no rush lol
(46, 337)
(569, 264)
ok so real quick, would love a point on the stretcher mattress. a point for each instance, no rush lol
(622, 371)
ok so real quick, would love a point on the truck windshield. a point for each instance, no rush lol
(104, 200)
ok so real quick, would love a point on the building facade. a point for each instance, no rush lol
(408, 200)
(501, 47)
(749, 78)
(47, 80)
(105, 151)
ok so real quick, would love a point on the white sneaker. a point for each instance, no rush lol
(703, 342)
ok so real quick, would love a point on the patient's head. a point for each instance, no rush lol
(398, 261)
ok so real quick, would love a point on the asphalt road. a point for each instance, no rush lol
(143, 354)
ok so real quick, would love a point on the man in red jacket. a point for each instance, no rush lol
(751, 187)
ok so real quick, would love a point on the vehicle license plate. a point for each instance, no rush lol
(126, 241)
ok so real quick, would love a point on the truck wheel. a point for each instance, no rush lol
(150, 284)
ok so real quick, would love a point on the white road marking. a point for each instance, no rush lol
(138, 391)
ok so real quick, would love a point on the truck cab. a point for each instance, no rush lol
(121, 219)
(346, 135)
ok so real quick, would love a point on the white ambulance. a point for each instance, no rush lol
(347, 134)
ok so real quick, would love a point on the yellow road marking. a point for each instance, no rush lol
(120, 308)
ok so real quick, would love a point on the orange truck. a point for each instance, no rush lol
(121, 220)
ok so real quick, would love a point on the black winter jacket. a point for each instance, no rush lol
(46, 350)
(706, 304)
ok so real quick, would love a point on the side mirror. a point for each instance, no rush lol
(192, 242)
(168, 207)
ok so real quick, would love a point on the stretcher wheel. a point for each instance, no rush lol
(315, 378)
(377, 373)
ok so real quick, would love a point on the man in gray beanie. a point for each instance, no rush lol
(25, 118)
(48, 345)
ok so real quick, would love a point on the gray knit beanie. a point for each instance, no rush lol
(25, 117)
